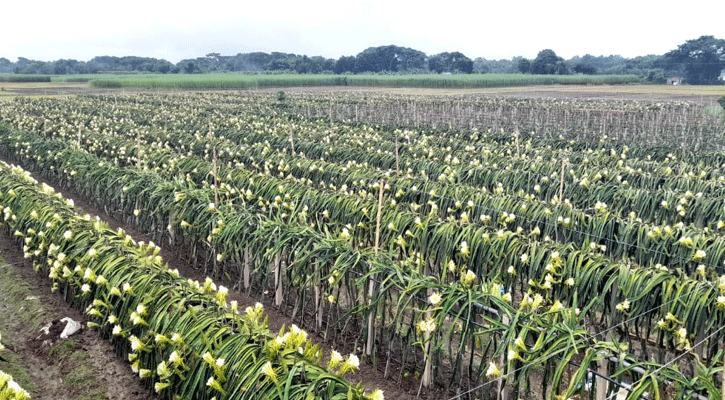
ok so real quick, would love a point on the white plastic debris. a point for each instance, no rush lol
(46, 329)
(71, 327)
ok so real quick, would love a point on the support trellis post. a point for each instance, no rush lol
(371, 283)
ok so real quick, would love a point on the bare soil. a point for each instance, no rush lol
(80, 367)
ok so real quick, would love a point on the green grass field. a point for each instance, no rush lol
(24, 78)
(251, 81)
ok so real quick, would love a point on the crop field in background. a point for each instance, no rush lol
(523, 247)
(253, 81)
(496, 85)
(256, 81)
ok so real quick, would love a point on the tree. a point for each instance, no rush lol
(256, 61)
(501, 66)
(282, 64)
(303, 65)
(450, 62)
(460, 63)
(215, 61)
(377, 59)
(190, 67)
(436, 63)
(524, 66)
(586, 69)
(321, 64)
(548, 63)
(700, 60)
(344, 64)
(62, 67)
(410, 59)
(480, 65)
(5, 65)
(163, 66)
(389, 59)
(612, 64)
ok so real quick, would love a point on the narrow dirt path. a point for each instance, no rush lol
(80, 367)
(372, 379)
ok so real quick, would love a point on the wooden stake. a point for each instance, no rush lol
(415, 115)
(379, 216)
(292, 141)
(318, 307)
(331, 125)
(138, 150)
(371, 283)
(602, 369)
(278, 279)
(723, 377)
(247, 268)
(561, 185)
(427, 378)
(216, 179)
(503, 390)
(397, 156)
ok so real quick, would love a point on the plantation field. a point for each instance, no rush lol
(48, 367)
(513, 86)
(255, 81)
(460, 246)
(10, 90)
(700, 94)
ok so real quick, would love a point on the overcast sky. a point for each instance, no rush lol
(51, 30)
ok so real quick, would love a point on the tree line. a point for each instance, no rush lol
(699, 61)
(381, 59)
